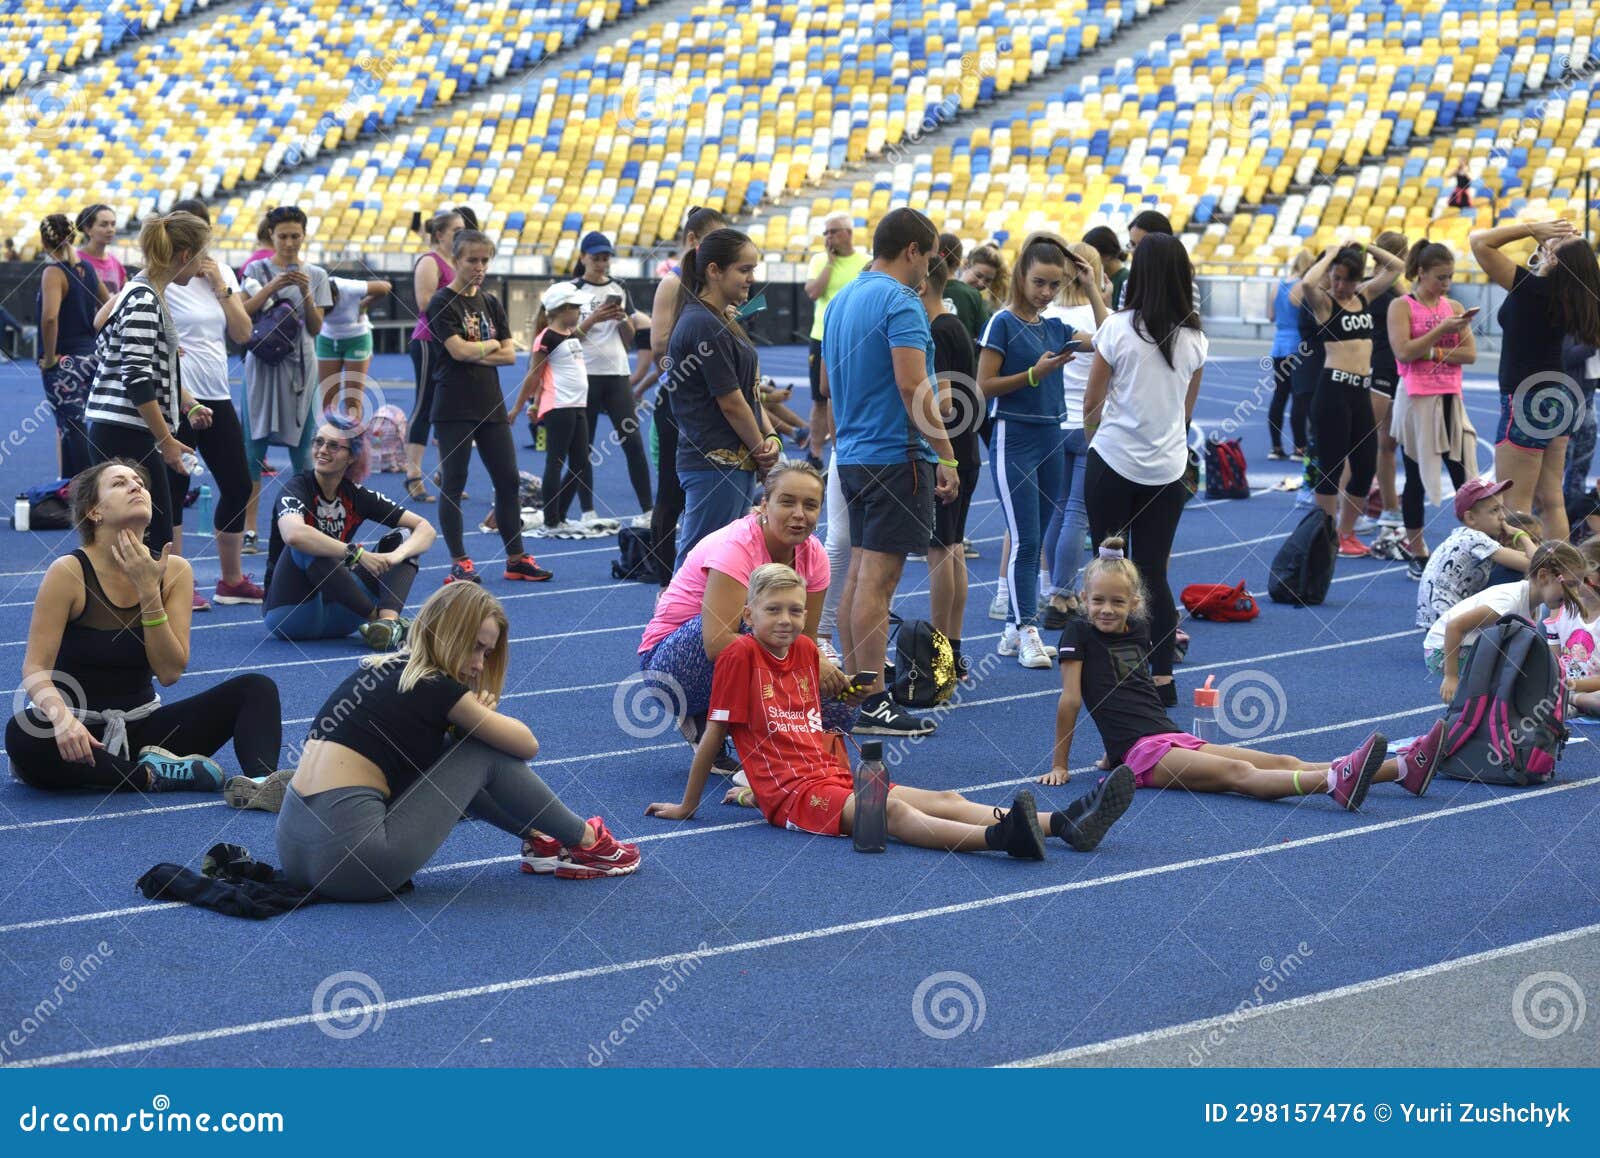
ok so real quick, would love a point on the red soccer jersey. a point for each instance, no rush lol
(773, 710)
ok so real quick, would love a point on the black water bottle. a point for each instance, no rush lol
(872, 800)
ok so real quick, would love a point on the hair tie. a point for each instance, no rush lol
(1111, 553)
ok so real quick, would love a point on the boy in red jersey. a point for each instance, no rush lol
(765, 694)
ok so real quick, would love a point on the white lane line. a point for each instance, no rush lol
(1354, 990)
(670, 959)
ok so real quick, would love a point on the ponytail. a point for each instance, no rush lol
(1111, 560)
(720, 247)
(55, 231)
(163, 238)
(1426, 255)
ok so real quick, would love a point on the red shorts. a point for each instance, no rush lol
(815, 806)
(1145, 754)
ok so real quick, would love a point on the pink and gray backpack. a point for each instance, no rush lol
(386, 446)
(1507, 722)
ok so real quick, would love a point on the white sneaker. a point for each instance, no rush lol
(1032, 651)
(829, 652)
(1009, 640)
(1000, 606)
(641, 522)
(605, 526)
(1366, 524)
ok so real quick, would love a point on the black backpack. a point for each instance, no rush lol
(924, 665)
(1225, 470)
(638, 559)
(1303, 567)
(1506, 724)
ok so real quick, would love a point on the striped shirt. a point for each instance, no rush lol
(138, 354)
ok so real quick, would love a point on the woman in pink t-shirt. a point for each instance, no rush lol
(1432, 339)
(702, 610)
(98, 227)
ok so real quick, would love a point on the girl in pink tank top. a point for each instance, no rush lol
(1427, 376)
(447, 274)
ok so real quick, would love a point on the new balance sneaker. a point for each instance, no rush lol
(543, 855)
(172, 773)
(1353, 548)
(200, 601)
(606, 857)
(1031, 651)
(1084, 822)
(1418, 762)
(526, 569)
(881, 717)
(384, 634)
(1000, 605)
(462, 571)
(1010, 640)
(1017, 832)
(263, 793)
(244, 591)
(1351, 776)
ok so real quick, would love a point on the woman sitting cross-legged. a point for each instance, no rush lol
(380, 783)
(108, 619)
(320, 585)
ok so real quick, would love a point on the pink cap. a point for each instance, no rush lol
(1474, 491)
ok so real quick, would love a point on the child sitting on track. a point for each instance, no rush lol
(765, 693)
(1105, 663)
(1461, 565)
(1572, 635)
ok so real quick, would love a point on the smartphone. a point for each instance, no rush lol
(862, 679)
(1076, 348)
(615, 296)
(1472, 313)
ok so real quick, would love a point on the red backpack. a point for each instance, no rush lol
(1220, 602)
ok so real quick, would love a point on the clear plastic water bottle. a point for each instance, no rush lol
(191, 463)
(1205, 712)
(203, 507)
(872, 800)
(20, 513)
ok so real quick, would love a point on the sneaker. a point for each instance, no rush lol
(170, 773)
(968, 549)
(268, 470)
(829, 652)
(1089, 817)
(1393, 520)
(1054, 619)
(265, 793)
(1366, 524)
(1000, 605)
(1418, 762)
(462, 571)
(1352, 775)
(606, 857)
(244, 591)
(526, 569)
(1031, 651)
(1351, 547)
(1389, 545)
(605, 526)
(201, 603)
(881, 717)
(1276, 455)
(642, 521)
(543, 855)
(250, 546)
(727, 764)
(1018, 832)
(1010, 640)
(384, 634)
(1415, 566)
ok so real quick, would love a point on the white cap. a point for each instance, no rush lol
(562, 293)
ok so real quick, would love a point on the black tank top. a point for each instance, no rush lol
(103, 652)
(1344, 325)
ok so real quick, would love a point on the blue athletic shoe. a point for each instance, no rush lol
(170, 773)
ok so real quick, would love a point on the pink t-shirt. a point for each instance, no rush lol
(736, 551)
(1426, 376)
(112, 275)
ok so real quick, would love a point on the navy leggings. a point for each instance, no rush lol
(1029, 462)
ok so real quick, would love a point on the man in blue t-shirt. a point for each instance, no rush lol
(894, 458)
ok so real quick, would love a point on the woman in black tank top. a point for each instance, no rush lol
(108, 621)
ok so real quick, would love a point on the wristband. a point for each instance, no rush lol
(1031, 381)
(189, 414)
(1520, 535)
(353, 556)
(778, 438)
(156, 622)
(746, 797)
(949, 462)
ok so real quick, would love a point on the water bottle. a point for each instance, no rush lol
(538, 438)
(1205, 712)
(203, 507)
(191, 463)
(872, 800)
(19, 513)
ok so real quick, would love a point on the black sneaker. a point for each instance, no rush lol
(1017, 832)
(1415, 566)
(462, 571)
(1054, 618)
(1087, 818)
(880, 717)
(526, 569)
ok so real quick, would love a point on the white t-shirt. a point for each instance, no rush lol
(566, 376)
(604, 351)
(1075, 374)
(1503, 598)
(1142, 435)
(202, 335)
(1458, 569)
(345, 319)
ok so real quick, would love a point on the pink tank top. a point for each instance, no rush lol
(420, 332)
(1428, 377)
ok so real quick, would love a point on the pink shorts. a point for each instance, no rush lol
(1145, 754)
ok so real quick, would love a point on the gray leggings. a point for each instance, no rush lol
(350, 844)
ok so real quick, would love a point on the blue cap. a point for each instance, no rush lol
(595, 243)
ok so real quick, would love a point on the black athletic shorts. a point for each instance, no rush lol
(891, 506)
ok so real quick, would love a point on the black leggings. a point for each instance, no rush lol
(1282, 388)
(244, 710)
(222, 446)
(499, 455)
(422, 408)
(669, 491)
(1413, 499)
(108, 440)
(298, 577)
(566, 444)
(1147, 516)
(611, 394)
(1341, 414)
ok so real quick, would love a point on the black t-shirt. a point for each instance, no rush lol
(708, 361)
(466, 391)
(401, 732)
(1117, 688)
(1531, 336)
(339, 517)
(953, 354)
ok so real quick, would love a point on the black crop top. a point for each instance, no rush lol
(1345, 325)
(102, 652)
(400, 732)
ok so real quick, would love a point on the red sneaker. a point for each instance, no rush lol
(200, 601)
(543, 854)
(1351, 775)
(244, 591)
(606, 857)
(1418, 762)
(1353, 548)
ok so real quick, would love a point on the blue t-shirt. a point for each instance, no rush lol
(1021, 344)
(871, 316)
(1286, 335)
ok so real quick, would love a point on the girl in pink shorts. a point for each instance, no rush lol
(1104, 659)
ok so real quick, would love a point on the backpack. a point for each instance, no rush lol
(1225, 470)
(1219, 602)
(386, 440)
(1506, 724)
(638, 560)
(924, 665)
(275, 334)
(50, 506)
(1303, 567)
